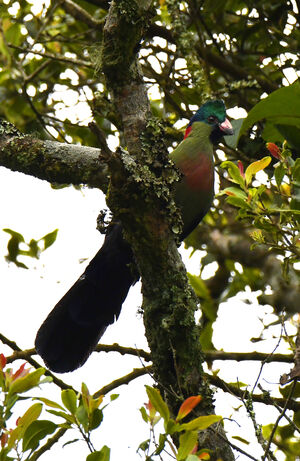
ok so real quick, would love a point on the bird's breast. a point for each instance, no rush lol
(199, 174)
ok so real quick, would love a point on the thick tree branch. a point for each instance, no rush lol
(50, 160)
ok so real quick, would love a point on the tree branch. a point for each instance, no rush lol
(81, 14)
(136, 373)
(50, 160)
(49, 444)
(33, 362)
(123, 350)
(243, 393)
(241, 356)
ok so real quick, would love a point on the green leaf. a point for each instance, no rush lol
(69, 418)
(234, 173)
(19, 237)
(86, 397)
(161, 443)
(49, 239)
(207, 332)
(96, 419)
(201, 423)
(49, 403)
(187, 442)
(69, 399)
(13, 247)
(70, 442)
(102, 455)
(144, 414)
(27, 382)
(199, 286)
(281, 106)
(237, 437)
(29, 416)
(171, 426)
(238, 202)
(234, 192)
(296, 171)
(144, 445)
(158, 403)
(232, 140)
(82, 416)
(279, 173)
(37, 431)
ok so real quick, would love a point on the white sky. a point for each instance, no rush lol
(32, 208)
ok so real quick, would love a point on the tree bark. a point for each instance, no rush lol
(50, 160)
(140, 196)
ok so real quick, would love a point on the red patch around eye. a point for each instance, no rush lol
(187, 131)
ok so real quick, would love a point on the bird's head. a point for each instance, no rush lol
(212, 113)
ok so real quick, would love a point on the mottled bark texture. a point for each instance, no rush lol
(50, 160)
(140, 196)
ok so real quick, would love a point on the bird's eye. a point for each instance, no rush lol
(211, 119)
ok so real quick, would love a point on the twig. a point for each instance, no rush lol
(123, 350)
(266, 359)
(239, 393)
(240, 356)
(55, 57)
(266, 453)
(289, 420)
(50, 442)
(105, 150)
(235, 447)
(82, 15)
(136, 373)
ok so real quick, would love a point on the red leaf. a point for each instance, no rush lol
(150, 409)
(274, 150)
(241, 168)
(3, 438)
(204, 456)
(20, 373)
(195, 449)
(228, 192)
(188, 406)
(2, 361)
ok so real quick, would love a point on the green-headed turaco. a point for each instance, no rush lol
(73, 328)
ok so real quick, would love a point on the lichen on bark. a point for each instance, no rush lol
(141, 196)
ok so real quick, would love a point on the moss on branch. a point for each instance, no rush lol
(50, 160)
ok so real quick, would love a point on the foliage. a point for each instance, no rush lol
(187, 432)
(247, 53)
(34, 247)
(80, 411)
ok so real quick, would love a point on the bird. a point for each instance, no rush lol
(73, 328)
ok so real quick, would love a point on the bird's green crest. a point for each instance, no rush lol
(215, 107)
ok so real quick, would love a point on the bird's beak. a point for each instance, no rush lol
(226, 127)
